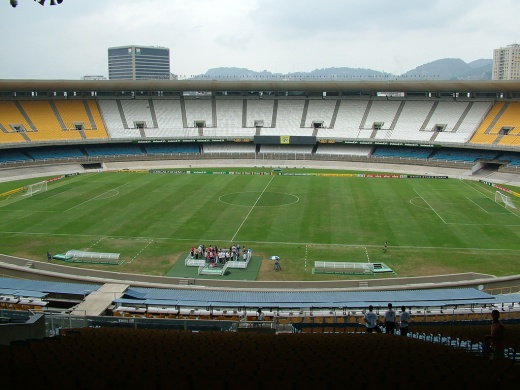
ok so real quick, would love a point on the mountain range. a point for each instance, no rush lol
(443, 69)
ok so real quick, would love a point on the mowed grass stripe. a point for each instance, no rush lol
(328, 210)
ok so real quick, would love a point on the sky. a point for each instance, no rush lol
(70, 40)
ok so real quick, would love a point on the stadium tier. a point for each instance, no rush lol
(376, 119)
(162, 359)
(12, 123)
(49, 120)
(501, 126)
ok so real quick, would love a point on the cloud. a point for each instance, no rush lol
(71, 40)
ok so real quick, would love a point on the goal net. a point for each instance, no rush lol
(32, 189)
(500, 198)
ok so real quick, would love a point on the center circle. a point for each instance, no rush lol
(259, 199)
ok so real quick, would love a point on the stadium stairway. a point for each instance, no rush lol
(98, 301)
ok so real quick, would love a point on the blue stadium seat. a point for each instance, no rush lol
(113, 150)
(398, 152)
(171, 148)
(7, 156)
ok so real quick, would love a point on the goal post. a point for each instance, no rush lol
(500, 198)
(32, 189)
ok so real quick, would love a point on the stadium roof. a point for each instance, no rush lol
(195, 298)
(34, 288)
(494, 86)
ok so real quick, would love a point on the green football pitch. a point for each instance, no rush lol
(432, 226)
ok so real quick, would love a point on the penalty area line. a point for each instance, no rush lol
(95, 197)
(141, 251)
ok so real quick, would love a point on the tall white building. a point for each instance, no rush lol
(138, 63)
(506, 63)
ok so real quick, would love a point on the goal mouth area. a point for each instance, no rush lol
(32, 189)
(500, 198)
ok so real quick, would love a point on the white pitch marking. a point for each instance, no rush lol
(257, 199)
(480, 207)
(146, 246)
(95, 197)
(430, 206)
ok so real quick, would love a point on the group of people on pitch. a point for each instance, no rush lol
(214, 254)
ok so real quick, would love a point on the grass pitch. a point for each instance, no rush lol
(432, 226)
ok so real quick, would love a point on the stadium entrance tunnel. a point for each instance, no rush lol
(486, 168)
(91, 166)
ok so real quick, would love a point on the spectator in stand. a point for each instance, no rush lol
(404, 321)
(260, 316)
(390, 320)
(494, 343)
(371, 321)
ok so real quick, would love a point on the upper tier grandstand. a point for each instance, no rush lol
(372, 119)
(100, 111)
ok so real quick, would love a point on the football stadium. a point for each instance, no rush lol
(130, 208)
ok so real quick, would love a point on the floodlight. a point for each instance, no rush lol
(41, 2)
(54, 2)
(14, 3)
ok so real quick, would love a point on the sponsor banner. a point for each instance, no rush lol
(133, 170)
(177, 172)
(425, 177)
(179, 140)
(16, 190)
(392, 143)
(72, 174)
(54, 179)
(337, 174)
(498, 186)
(295, 174)
(383, 176)
(167, 171)
(285, 139)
